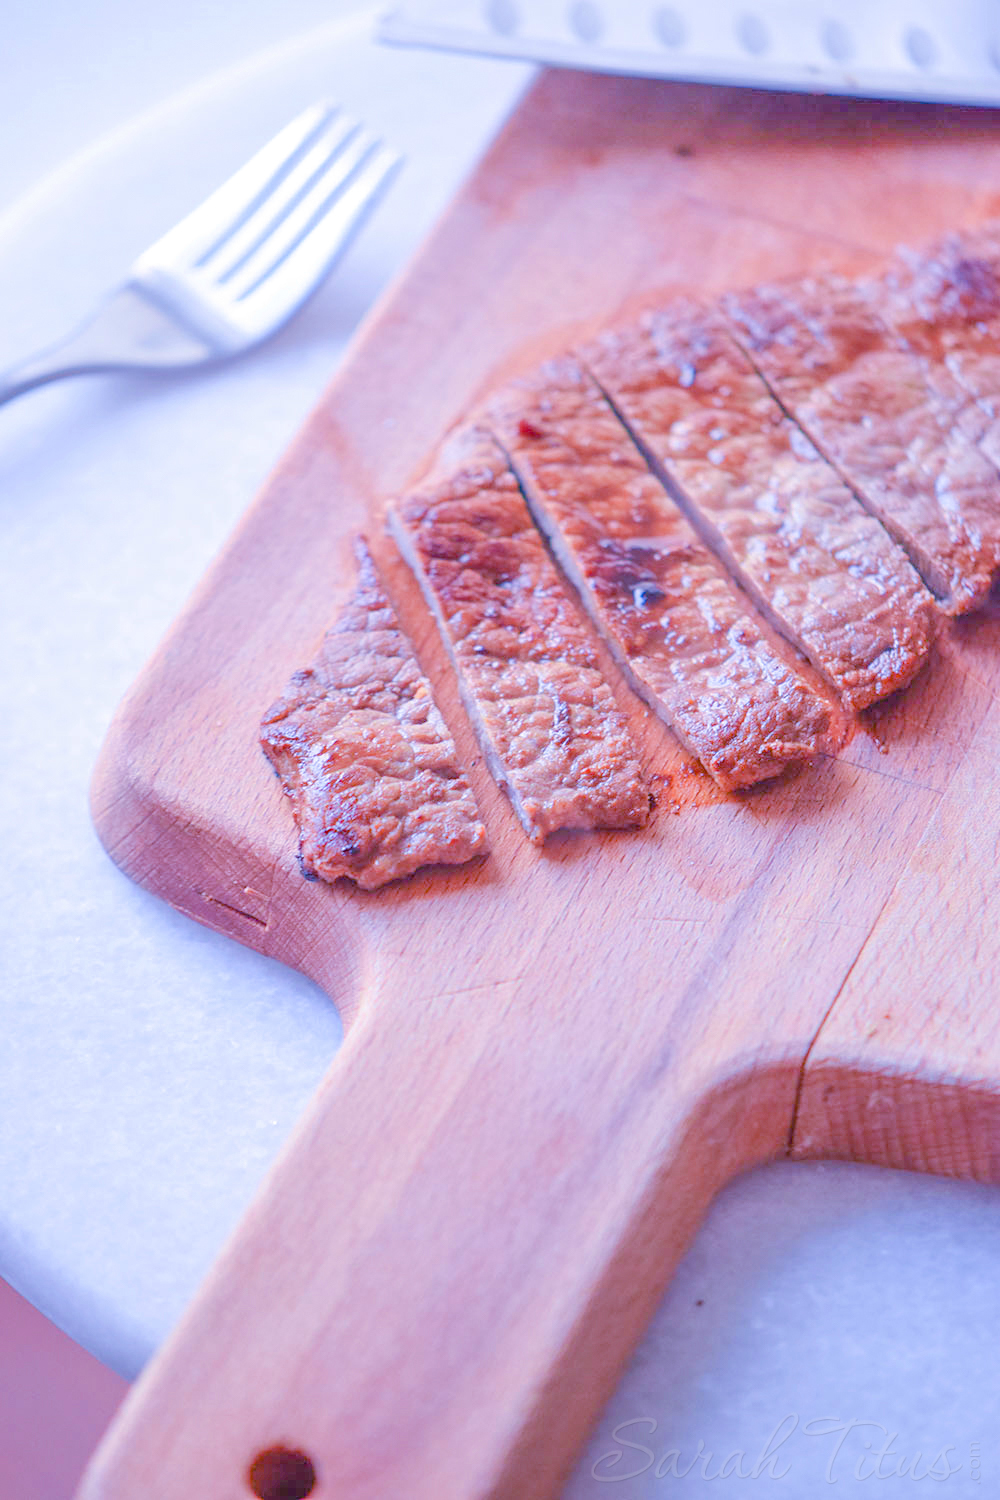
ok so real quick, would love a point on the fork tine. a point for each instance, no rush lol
(225, 210)
(299, 220)
(334, 147)
(286, 279)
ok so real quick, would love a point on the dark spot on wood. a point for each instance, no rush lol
(282, 1473)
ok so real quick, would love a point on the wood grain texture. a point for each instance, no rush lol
(556, 1059)
(904, 1073)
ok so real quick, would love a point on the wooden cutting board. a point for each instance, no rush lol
(556, 1058)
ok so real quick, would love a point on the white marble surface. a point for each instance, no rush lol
(151, 1069)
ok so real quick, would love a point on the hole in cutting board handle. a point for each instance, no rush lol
(282, 1473)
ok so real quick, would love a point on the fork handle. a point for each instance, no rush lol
(129, 331)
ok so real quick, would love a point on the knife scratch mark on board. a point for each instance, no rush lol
(236, 910)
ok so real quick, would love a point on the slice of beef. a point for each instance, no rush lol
(530, 680)
(945, 302)
(822, 570)
(899, 433)
(364, 755)
(682, 634)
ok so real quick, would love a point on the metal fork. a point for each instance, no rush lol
(235, 269)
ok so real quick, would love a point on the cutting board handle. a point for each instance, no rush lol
(435, 1290)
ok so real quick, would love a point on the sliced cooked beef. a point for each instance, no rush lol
(683, 635)
(820, 567)
(946, 304)
(545, 716)
(364, 755)
(901, 439)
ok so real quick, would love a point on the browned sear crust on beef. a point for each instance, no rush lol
(823, 570)
(685, 638)
(364, 755)
(899, 434)
(530, 679)
(945, 302)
